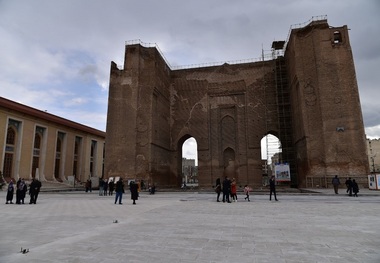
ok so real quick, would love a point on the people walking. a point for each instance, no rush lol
(226, 190)
(355, 188)
(233, 190)
(247, 189)
(119, 191)
(218, 189)
(10, 192)
(335, 182)
(133, 187)
(348, 184)
(272, 186)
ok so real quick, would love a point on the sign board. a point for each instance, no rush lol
(374, 181)
(282, 172)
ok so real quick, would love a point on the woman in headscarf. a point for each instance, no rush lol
(10, 192)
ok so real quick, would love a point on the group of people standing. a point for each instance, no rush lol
(351, 184)
(119, 190)
(229, 189)
(106, 187)
(21, 190)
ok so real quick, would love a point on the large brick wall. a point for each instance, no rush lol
(228, 109)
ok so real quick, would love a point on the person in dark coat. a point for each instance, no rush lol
(105, 187)
(218, 189)
(10, 192)
(111, 187)
(335, 182)
(88, 185)
(101, 186)
(133, 187)
(34, 190)
(22, 188)
(348, 184)
(152, 189)
(18, 191)
(226, 190)
(119, 191)
(272, 186)
(355, 188)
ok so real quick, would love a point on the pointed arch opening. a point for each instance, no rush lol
(270, 154)
(189, 162)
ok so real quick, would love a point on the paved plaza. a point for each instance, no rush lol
(191, 227)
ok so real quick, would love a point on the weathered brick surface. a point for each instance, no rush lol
(229, 108)
(329, 132)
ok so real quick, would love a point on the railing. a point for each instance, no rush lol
(145, 44)
(301, 25)
(268, 55)
(326, 181)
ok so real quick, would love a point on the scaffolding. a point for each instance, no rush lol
(284, 117)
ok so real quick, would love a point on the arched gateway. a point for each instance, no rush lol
(307, 96)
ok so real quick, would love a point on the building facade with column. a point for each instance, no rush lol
(37, 144)
(373, 148)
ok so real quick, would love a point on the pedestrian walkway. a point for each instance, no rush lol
(191, 227)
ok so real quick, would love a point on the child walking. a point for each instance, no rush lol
(247, 189)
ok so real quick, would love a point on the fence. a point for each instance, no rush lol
(325, 181)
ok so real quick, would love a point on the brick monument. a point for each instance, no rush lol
(306, 95)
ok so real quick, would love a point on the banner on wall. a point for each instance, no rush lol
(374, 181)
(282, 172)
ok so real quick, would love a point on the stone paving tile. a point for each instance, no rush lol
(191, 227)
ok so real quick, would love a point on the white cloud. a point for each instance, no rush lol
(373, 132)
(60, 51)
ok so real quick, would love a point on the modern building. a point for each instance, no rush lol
(37, 144)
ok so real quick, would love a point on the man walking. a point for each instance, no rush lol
(335, 182)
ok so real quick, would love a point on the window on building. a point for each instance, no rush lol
(9, 151)
(93, 157)
(58, 154)
(36, 153)
(337, 37)
(77, 147)
(11, 136)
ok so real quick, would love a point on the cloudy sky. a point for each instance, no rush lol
(56, 55)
